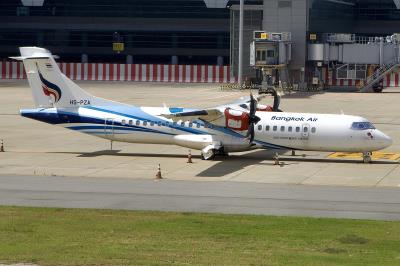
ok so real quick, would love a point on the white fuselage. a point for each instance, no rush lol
(277, 130)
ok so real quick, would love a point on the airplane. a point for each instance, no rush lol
(240, 126)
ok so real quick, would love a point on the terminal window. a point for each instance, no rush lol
(270, 53)
(261, 55)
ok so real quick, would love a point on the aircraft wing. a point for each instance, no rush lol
(213, 114)
(243, 102)
(206, 115)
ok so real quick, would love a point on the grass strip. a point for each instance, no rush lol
(54, 236)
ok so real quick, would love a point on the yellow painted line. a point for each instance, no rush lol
(375, 155)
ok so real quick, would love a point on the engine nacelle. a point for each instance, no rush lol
(236, 120)
(199, 142)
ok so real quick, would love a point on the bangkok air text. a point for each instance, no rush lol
(293, 118)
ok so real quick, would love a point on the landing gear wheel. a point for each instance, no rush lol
(377, 88)
(209, 155)
(367, 157)
(221, 152)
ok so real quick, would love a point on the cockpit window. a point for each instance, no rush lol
(362, 126)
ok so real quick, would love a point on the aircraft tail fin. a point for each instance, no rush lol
(50, 87)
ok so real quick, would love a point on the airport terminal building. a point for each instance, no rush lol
(156, 31)
(336, 42)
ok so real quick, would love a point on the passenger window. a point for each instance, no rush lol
(282, 128)
(182, 124)
(259, 127)
(266, 128)
(159, 123)
(274, 128)
(174, 124)
(290, 129)
(198, 125)
(137, 122)
(123, 122)
(190, 124)
(130, 122)
(144, 123)
(305, 129)
(297, 129)
(313, 129)
(151, 123)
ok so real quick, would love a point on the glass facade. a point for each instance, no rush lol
(368, 17)
(121, 8)
(356, 10)
(152, 31)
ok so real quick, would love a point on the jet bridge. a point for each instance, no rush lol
(270, 54)
(364, 60)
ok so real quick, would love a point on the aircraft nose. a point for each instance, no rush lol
(384, 139)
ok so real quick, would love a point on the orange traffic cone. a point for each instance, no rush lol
(276, 159)
(189, 157)
(158, 175)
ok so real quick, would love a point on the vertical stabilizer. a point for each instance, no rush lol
(50, 87)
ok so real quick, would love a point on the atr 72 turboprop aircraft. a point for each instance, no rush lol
(236, 127)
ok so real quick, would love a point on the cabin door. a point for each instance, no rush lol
(109, 128)
(305, 131)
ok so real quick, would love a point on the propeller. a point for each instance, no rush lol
(276, 95)
(253, 119)
(277, 101)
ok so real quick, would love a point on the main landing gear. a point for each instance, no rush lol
(211, 153)
(208, 155)
(367, 157)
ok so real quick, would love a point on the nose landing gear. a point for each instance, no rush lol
(367, 157)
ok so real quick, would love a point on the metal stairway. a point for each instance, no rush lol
(378, 75)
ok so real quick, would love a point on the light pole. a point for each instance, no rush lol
(240, 65)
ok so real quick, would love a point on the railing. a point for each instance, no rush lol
(131, 72)
(351, 71)
(378, 75)
(352, 38)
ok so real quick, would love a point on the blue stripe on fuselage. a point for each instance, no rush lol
(63, 117)
(137, 113)
(133, 128)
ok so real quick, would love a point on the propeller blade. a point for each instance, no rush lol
(253, 105)
(250, 133)
(277, 101)
(255, 119)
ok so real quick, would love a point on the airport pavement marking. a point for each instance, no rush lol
(375, 155)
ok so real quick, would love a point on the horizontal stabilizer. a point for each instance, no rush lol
(33, 53)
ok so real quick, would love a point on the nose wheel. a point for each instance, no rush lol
(367, 157)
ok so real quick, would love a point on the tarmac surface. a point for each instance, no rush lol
(35, 150)
(198, 196)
